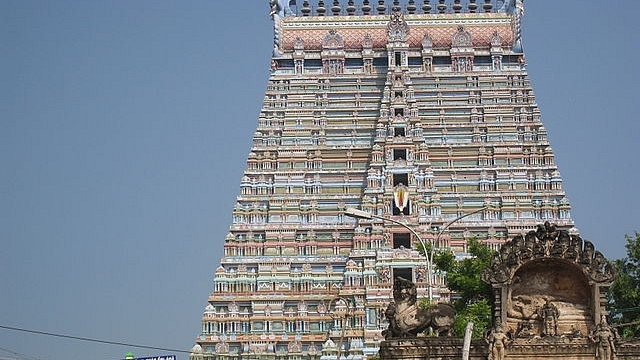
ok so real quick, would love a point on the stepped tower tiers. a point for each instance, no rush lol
(420, 112)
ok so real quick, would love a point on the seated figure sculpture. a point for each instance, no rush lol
(407, 319)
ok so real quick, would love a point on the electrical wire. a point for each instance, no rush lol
(627, 309)
(15, 353)
(107, 342)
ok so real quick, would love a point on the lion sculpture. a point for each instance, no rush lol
(407, 319)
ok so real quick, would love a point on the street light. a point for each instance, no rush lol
(361, 214)
(347, 314)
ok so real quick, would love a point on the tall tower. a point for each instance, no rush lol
(421, 115)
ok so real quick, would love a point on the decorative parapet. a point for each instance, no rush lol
(547, 242)
(439, 24)
(382, 7)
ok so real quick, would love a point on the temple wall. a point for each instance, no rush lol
(451, 348)
(441, 348)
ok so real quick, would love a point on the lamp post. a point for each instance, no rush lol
(361, 214)
(346, 314)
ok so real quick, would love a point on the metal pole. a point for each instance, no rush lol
(446, 226)
(428, 255)
(365, 215)
(356, 213)
(347, 314)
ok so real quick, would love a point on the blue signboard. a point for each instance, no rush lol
(165, 357)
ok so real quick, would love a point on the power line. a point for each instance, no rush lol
(15, 353)
(91, 340)
(627, 309)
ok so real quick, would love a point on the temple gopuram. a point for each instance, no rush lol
(386, 126)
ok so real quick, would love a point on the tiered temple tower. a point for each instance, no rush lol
(420, 114)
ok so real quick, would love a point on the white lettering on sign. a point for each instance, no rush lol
(167, 357)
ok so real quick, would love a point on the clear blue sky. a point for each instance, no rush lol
(124, 129)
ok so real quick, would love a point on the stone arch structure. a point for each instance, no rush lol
(554, 268)
(549, 303)
(553, 281)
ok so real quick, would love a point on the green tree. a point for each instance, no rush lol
(478, 313)
(464, 278)
(624, 293)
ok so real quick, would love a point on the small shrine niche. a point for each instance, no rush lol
(548, 284)
(564, 290)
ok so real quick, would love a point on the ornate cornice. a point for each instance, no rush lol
(547, 242)
(439, 28)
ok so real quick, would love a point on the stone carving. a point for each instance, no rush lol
(384, 274)
(497, 343)
(277, 10)
(407, 319)
(280, 8)
(549, 291)
(525, 330)
(549, 276)
(549, 317)
(397, 29)
(604, 337)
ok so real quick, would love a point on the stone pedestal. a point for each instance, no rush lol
(425, 348)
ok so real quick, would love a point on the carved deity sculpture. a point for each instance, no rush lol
(525, 330)
(604, 337)
(497, 343)
(549, 316)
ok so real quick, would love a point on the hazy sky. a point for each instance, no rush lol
(124, 129)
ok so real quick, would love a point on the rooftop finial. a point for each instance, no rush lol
(306, 10)
(320, 10)
(351, 7)
(285, 8)
(457, 7)
(335, 8)
(487, 6)
(411, 7)
(426, 7)
(366, 7)
(396, 6)
(473, 6)
(381, 7)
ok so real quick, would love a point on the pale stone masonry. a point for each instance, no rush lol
(421, 113)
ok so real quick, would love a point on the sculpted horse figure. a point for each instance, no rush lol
(407, 319)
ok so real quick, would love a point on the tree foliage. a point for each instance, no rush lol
(464, 278)
(624, 293)
(478, 313)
